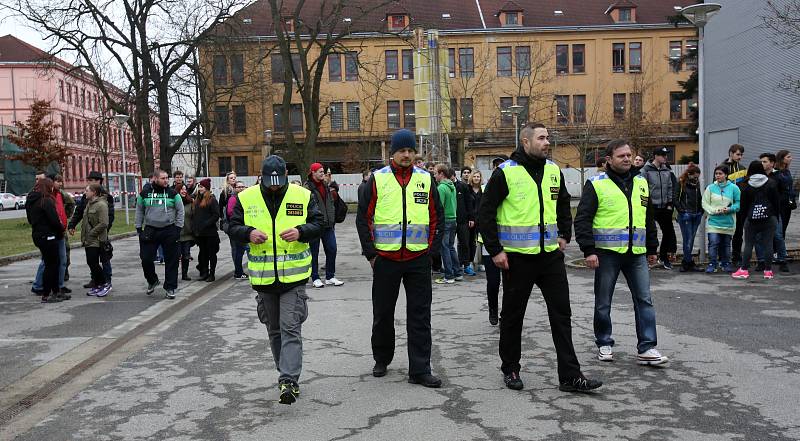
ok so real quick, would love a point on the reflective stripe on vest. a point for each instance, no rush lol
(614, 226)
(392, 226)
(288, 262)
(524, 223)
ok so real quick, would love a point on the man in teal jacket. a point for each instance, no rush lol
(447, 195)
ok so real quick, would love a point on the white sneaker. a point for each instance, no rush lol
(651, 357)
(334, 281)
(318, 283)
(604, 353)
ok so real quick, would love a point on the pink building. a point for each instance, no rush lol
(28, 73)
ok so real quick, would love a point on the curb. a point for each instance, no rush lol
(33, 254)
(794, 255)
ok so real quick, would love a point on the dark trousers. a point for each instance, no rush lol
(185, 249)
(208, 247)
(473, 244)
(493, 279)
(237, 253)
(736, 243)
(93, 260)
(762, 231)
(547, 271)
(167, 238)
(462, 233)
(416, 277)
(786, 215)
(52, 263)
(669, 243)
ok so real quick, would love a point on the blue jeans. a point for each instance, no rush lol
(778, 244)
(38, 283)
(634, 268)
(689, 223)
(328, 239)
(237, 252)
(450, 264)
(719, 249)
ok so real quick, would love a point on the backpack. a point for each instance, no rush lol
(340, 208)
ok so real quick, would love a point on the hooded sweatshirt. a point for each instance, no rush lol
(716, 197)
(760, 199)
(447, 195)
(159, 207)
(662, 184)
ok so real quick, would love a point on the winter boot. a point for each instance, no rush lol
(185, 269)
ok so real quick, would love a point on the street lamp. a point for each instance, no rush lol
(515, 111)
(204, 143)
(121, 120)
(267, 144)
(699, 15)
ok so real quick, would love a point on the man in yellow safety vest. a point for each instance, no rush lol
(278, 220)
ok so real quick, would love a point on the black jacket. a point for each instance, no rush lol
(474, 203)
(43, 217)
(463, 203)
(363, 190)
(204, 219)
(326, 205)
(763, 191)
(77, 216)
(497, 190)
(587, 208)
(240, 232)
(688, 198)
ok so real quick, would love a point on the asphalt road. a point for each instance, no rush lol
(207, 374)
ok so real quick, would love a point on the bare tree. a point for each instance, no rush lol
(531, 80)
(641, 124)
(783, 20)
(587, 134)
(471, 85)
(374, 88)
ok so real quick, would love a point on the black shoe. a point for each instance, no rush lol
(513, 381)
(760, 266)
(579, 384)
(151, 287)
(493, 317)
(289, 391)
(90, 285)
(66, 275)
(186, 277)
(426, 380)
(52, 298)
(379, 370)
(37, 292)
(685, 268)
(210, 277)
(63, 296)
(783, 267)
(203, 275)
(66, 290)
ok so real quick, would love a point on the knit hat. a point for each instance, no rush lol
(316, 166)
(403, 138)
(273, 171)
(206, 183)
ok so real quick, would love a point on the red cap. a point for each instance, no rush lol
(315, 166)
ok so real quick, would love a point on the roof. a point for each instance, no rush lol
(464, 15)
(14, 50)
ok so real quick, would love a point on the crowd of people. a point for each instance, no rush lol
(421, 223)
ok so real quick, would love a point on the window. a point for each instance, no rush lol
(635, 61)
(523, 101)
(619, 106)
(83, 98)
(69, 93)
(578, 58)
(625, 15)
(296, 117)
(391, 65)
(579, 108)
(675, 106)
(353, 116)
(636, 105)
(276, 71)
(61, 90)
(241, 166)
(562, 109)
(288, 24)
(466, 62)
(618, 57)
(523, 57)
(337, 116)
(409, 115)
(506, 117)
(277, 118)
(78, 131)
(512, 18)
(221, 70)
(691, 52)
(393, 114)
(237, 69)
(466, 112)
(64, 127)
(562, 59)
(239, 119)
(224, 163)
(691, 107)
(222, 119)
(334, 68)
(351, 66)
(453, 112)
(451, 62)
(675, 55)
(504, 61)
(397, 22)
(408, 64)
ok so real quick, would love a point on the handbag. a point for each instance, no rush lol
(340, 208)
(106, 250)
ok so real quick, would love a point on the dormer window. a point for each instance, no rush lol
(512, 19)
(622, 11)
(625, 15)
(397, 22)
(510, 14)
(288, 24)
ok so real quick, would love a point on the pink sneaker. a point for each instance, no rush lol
(768, 275)
(741, 274)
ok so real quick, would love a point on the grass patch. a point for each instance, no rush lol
(15, 234)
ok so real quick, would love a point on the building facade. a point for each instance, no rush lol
(590, 70)
(28, 73)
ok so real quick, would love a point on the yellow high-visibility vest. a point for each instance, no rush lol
(402, 216)
(619, 224)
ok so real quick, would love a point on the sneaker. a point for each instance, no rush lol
(241, 277)
(651, 357)
(334, 281)
(442, 281)
(605, 353)
(469, 271)
(769, 274)
(513, 381)
(666, 264)
(579, 384)
(65, 290)
(711, 269)
(741, 274)
(151, 287)
(480, 269)
(287, 392)
(760, 266)
(52, 298)
(170, 294)
(728, 268)
(104, 290)
(783, 267)
(459, 278)
(318, 283)
(95, 290)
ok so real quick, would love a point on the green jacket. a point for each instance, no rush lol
(94, 228)
(186, 232)
(447, 194)
(69, 203)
